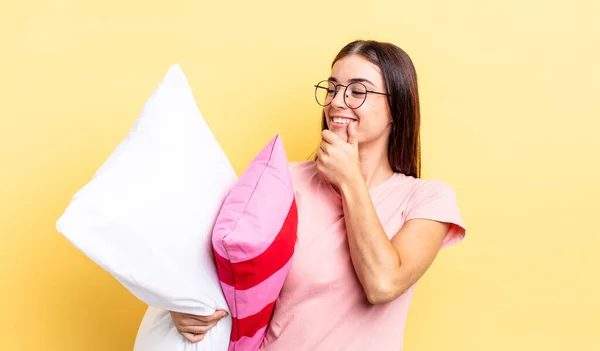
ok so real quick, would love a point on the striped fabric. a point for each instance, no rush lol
(253, 242)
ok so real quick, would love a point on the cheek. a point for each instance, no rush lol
(374, 120)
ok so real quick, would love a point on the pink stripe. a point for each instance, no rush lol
(256, 207)
(244, 303)
(245, 343)
(229, 293)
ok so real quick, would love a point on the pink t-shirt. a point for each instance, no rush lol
(322, 306)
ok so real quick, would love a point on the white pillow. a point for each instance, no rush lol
(147, 215)
(157, 333)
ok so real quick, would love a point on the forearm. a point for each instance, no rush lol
(376, 261)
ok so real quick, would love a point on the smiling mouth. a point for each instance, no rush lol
(342, 120)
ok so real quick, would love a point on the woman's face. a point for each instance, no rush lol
(373, 116)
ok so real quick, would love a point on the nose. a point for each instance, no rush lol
(338, 99)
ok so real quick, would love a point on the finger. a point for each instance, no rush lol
(329, 136)
(319, 153)
(194, 321)
(198, 329)
(352, 133)
(193, 337)
(212, 318)
(325, 147)
(217, 316)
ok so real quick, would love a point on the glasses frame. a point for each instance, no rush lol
(336, 86)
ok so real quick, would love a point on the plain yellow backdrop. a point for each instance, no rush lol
(510, 119)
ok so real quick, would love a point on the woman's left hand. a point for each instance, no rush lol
(194, 328)
(337, 159)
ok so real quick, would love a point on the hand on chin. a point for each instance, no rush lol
(337, 157)
(340, 131)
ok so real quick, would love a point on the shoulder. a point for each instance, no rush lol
(436, 200)
(425, 196)
(305, 177)
(428, 188)
(421, 189)
(302, 167)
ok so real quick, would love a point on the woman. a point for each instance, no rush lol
(368, 227)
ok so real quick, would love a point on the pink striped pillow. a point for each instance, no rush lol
(253, 241)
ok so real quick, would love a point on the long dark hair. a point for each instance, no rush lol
(400, 79)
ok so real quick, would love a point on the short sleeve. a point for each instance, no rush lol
(436, 200)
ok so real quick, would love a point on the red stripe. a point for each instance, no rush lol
(250, 325)
(246, 274)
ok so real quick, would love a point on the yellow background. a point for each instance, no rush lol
(509, 93)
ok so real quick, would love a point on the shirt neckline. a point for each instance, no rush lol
(371, 191)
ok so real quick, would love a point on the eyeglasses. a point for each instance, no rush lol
(355, 93)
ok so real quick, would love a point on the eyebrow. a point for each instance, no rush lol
(353, 80)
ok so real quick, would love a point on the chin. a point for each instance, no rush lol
(340, 131)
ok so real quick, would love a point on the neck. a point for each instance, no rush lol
(374, 164)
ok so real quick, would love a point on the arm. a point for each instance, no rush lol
(387, 268)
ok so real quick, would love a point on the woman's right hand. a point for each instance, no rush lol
(194, 328)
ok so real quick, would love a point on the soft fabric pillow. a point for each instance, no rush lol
(254, 239)
(147, 215)
(157, 333)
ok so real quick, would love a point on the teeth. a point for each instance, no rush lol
(341, 120)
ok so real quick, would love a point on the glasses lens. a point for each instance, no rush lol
(356, 95)
(324, 92)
